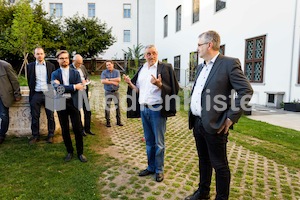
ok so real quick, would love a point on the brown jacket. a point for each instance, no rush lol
(10, 87)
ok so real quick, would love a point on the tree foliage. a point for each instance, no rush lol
(87, 36)
(25, 32)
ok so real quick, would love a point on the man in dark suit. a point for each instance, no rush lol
(10, 92)
(38, 78)
(214, 109)
(67, 82)
(84, 75)
(150, 91)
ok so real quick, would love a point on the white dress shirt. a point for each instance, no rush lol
(149, 93)
(196, 106)
(41, 77)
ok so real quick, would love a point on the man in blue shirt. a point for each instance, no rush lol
(111, 79)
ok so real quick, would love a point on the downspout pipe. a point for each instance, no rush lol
(293, 48)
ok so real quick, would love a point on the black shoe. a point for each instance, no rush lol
(1, 140)
(34, 140)
(108, 125)
(145, 172)
(68, 157)
(89, 132)
(82, 158)
(83, 133)
(120, 124)
(159, 177)
(198, 196)
(49, 140)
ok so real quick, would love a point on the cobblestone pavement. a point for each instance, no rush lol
(253, 176)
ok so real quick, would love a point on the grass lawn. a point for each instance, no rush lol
(274, 142)
(39, 171)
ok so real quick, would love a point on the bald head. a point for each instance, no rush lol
(77, 60)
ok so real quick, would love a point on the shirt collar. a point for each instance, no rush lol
(37, 63)
(212, 61)
(64, 69)
(154, 66)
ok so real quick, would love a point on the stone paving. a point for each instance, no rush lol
(253, 176)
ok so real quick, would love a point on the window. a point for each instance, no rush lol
(254, 59)
(222, 49)
(166, 26)
(165, 60)
(193, 65)
(91, 10)
(126, 10)
(178, 18)
(220, 4)
(195, 10)
(126, 36)
(56, 10)
(177, 67)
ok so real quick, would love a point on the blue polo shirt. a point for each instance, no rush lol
(113, 74)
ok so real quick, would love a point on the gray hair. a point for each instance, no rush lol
(211, 36)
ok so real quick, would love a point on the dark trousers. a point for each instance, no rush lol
(212, 153)
(109, 96)
(4, 119)
(37, 101)
(63, 116)
(87, 117)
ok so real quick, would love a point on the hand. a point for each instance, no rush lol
(126, 79)
(156, 81)
(225, 126)
(18, 98)
(84, 82)
(79, 86)
(56, 81)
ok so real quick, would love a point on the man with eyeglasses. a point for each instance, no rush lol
(214, 109)
(151, 91)
(78, 65)
(69, 79)
(38, 78)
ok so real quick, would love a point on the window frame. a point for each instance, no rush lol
(218, 5)
(166, 18)
(91, 11)
(255, 60)
(177, 67)
(126, 11)
(222, 49)
(128, 36)
(54, 13)
(196, 11)
(178, 18)
(193, 66)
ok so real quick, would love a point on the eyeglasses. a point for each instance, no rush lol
(199, 45)
(63, 58)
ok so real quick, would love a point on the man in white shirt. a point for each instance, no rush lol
(154, 83)
(38, 78)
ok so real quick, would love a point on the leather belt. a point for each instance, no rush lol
(151, 106)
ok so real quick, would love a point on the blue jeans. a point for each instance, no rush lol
(154, 126)
(4, 119)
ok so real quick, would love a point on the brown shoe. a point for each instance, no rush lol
(49, 140)
(34, 140)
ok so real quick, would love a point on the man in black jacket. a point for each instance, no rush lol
(38, 78)
(153, 86)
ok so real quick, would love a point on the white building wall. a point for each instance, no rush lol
(111, 12)
(240, 20)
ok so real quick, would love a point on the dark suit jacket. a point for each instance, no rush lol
(85, 74)
(10, 87)
(226, 75)
(74, 78)
(31, 76)
(170, 87)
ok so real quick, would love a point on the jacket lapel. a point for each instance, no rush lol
(198, 73)
(213, 70)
